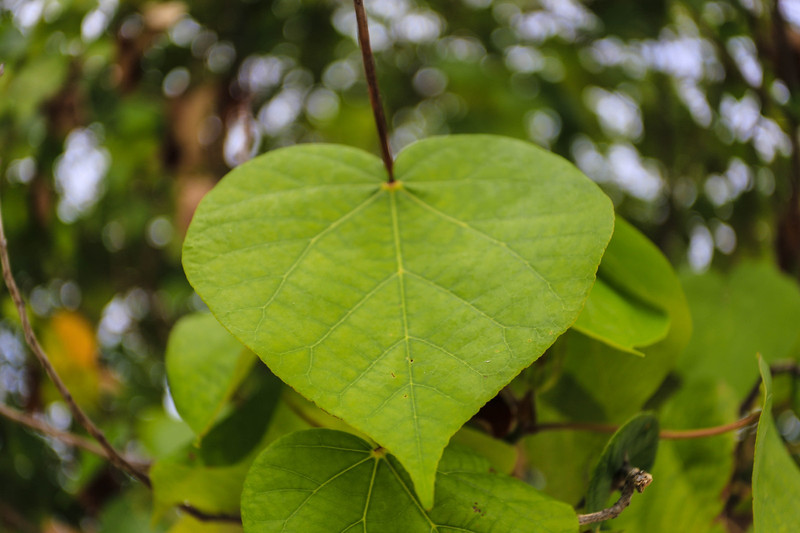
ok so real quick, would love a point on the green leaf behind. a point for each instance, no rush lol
(204, 364)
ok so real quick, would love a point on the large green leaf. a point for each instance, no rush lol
(776, 477)
(401, 309)
(753, 309)
(204, 364)
(322, 480)
(601, 382)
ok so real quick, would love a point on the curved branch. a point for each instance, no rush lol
(635, 480)
(666, 434)
(33, 342)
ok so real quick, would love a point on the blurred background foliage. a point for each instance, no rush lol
(116, 116)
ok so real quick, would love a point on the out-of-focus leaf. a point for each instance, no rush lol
(212, 489)
(161, 434)
(205, 364)
(323, 480)
(635, 445)
(689, 476)
(776, 476)
(402, 309)
(753, 309)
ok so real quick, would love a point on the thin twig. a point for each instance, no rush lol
(208, 517)
(46, 429)
(665, 434)
(635, 480)
(372, 85)
(30, 338)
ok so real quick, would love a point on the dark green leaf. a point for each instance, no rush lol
(322, 480)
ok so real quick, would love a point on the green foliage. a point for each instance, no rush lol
(118, 116)
(776, 476)
(321, 480)
(752, 309)
(377, 302)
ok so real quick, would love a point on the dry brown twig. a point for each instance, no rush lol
(635, 480)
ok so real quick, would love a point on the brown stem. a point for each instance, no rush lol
(635, 480)
(207, 517)
(665, 434)
(372, 85)
(30, 337)
(46, 429)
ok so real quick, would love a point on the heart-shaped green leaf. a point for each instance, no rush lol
(400, 308)
(323, 480)
(204, 364)
(776, 477)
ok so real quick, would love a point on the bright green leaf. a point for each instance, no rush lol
(323, 480)
(776, 476)
(635, 445)
(204, 364)
(400, 309)
(753, 309)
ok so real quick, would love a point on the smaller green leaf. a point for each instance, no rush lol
(776, 477)
(626, 308)
(635, 445)
(620, 322)
(205, 364)
(321, 480)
